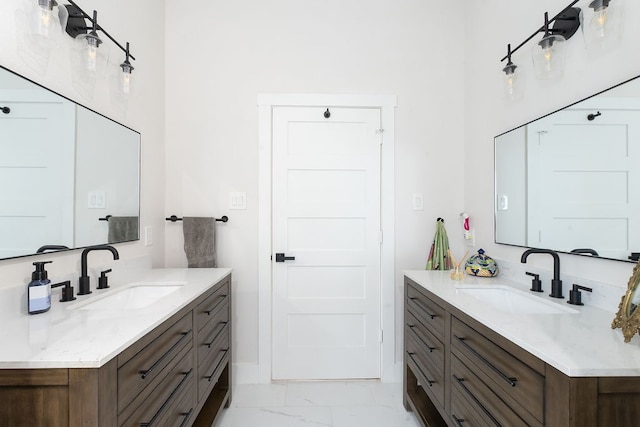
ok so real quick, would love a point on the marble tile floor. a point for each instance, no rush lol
(318, 404)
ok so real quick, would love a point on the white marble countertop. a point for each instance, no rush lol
(579, 344)
(70, 337)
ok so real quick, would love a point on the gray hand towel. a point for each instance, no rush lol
(200, 241)
(123, 229)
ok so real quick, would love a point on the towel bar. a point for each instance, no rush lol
(174, 218)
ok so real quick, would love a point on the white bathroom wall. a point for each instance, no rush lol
(222, 54)
(140, 22)
(491, 24)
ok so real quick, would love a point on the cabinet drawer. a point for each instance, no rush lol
(429, 376)
(511, 379)
(428, 312)
(150, 364)
(181, 410)
(426, 341)
(175, 387)
(480, 400)
(211, 366)
(464, 413)
(212, 339)
(214, 306)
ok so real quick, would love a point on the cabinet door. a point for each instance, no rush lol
(34, 397)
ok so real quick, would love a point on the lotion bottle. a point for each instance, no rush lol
(39, 290)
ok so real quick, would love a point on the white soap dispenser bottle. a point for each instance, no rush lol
(39, 289)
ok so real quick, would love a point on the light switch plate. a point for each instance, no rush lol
(418, 201)
(237, 200)
(148, 236)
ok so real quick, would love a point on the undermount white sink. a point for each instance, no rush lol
(133, 296)
(510, 300)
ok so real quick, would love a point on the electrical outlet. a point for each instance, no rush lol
(237, 200)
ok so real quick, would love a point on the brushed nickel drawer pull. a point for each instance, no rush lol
(420, 338)
(460, 381)
(417, 302)
(221, 299)
(510, 380)
(457, 420)
(216, 335)
(169, 399)
(210, 377)
(431, 382)
(186, 416)
(145, 373)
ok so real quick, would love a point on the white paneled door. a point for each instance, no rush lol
(326, 225)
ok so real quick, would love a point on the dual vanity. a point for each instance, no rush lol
(155, 351)
(487, 352)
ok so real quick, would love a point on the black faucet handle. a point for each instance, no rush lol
(536, 283)
(103, 280)
(575, 296)
(67, 291)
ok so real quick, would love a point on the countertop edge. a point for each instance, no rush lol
(598, 362)
(152, 319)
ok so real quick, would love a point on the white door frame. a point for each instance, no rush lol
(386, 104)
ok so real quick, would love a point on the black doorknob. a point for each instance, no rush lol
(280, 257)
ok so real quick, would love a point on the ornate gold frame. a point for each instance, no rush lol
(629, 323)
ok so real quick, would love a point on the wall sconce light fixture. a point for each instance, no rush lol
(91, 56)
(548, 53)
(93, 51)
(126, 75)
(512, 77)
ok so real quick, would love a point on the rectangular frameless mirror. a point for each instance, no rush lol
(64, 169)
(568, 181)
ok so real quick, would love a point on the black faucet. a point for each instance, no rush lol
(556, 283)
(44, 248)
(84, 287)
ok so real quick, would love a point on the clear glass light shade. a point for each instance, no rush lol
(122, 85)
(125, 80)
(548, 57)
(47, 19)
(89, 61)
(512, 82)
(91, 54)
(603, 25)
(39, 31)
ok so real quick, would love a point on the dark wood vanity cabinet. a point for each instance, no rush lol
(178, 375)
(459, 373)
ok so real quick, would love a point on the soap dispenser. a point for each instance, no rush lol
(39, 289)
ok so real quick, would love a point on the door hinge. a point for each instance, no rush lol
(380, 236)
(381, 336)
(380, 132)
